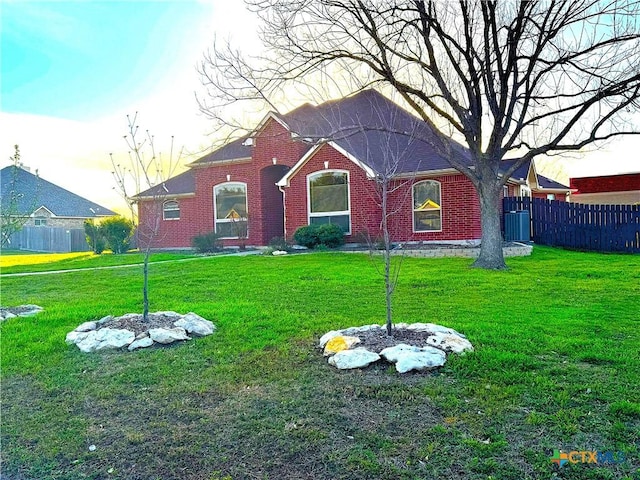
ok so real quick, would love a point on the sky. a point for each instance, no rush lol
(71, 72)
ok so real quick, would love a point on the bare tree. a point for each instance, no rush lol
(511, 80)
(16, 206)
(144, 173)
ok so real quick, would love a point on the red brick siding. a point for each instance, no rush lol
(172, 233)
(196, 214)
(612, 183)
(460, 206)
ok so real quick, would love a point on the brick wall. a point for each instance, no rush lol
(460, 206)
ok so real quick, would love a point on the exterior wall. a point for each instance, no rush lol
(59, 222)
(611, 183)
(560, 197)
(460, 205)
(175, 233)
(607, 198)
(264, 206)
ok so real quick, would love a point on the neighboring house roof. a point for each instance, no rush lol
(621, 182)
(549, 184)
(180, 185)
(37, 193)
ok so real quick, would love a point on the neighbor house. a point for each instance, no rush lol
(324, 164)
(620, 189)
(44, 204)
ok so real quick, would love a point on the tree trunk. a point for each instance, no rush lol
(491, 254)
(145, 287)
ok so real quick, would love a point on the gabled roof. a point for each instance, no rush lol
(236, 149)
(37, 193)
(180, 185)
(549, 184)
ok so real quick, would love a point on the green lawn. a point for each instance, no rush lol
(556, 367)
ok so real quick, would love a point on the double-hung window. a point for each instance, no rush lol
(329, 199)
(230, 209)
(427, 211)
(171, 210)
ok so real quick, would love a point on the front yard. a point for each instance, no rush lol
(555, 368)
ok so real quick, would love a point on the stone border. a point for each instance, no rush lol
(516, 250)
(20, 311)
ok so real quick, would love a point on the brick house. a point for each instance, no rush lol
(617, 189)
(319, 164)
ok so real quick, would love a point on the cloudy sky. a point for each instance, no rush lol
(72, 70)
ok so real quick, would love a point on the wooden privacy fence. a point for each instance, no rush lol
(49, 239)
(603, 228)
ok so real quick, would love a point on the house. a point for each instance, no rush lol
(620, 189)
(525, 181)
(46, 205)
(323, 164)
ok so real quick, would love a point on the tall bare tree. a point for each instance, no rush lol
(510, 80)
(17, 205)
(145, 171)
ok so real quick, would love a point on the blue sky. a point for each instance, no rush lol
(71, 71)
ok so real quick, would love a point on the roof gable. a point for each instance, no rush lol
(180, 185)
(37, 192)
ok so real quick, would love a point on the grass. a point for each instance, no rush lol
(555, 367)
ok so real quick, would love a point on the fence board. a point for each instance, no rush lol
(604, 228)
(50, 239)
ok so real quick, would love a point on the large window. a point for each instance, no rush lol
(230, 210)
(329, 199)
(171, 210)
(427, 213)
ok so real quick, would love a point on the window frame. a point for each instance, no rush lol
(414, 210)
(311, 214)
(40, 221)
(164, 210)
(224, 220)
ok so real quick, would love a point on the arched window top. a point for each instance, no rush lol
(171, 210)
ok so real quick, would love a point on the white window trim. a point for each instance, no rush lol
(413, 210)
(215, 212)
(174, 209)
(311, 215)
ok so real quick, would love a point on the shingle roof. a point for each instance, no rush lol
(37, 192)
(545, 182)
(232, 150)
(181, 184)
(520, 173)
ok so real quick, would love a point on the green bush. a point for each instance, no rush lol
(327, 234)
(117, 232)
(279, 243)
(207, 242)
(94, 236)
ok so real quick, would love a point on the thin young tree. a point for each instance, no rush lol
(16, 206)
(510, 80)
(144, 171)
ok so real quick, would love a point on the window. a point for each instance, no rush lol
(40, 221)
(171, 210)
(329, 199)
(230, 210)
(551, 196)
(505, 191)
(427, 212)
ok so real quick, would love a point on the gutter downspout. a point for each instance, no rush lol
(284, 211)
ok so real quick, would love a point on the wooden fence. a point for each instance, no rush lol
(49, 239)
(603, 228)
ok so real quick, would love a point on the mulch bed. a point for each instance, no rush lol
(136, 324)
(377, 340)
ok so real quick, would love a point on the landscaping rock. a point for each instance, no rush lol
(168, 335)
(328, 336)
(195, 324)
(75, 337)
(143, 342)
(277, 253)
(104, 320)
(104, 339)
(409, 357)
(86, 327)
(21, 311)
(450, 342)
(339, 343)
(356, 358)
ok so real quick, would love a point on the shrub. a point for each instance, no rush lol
(207, 242)
(327, 234)
(117, 232)
(94, 236)
(279, 243)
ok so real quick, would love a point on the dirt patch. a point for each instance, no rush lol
(377, 340)
(137, 324)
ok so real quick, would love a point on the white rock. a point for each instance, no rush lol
(277, 253)
(86, 327)
(168, 335)
(104, 320)
(30, 310)
(168, 313)
(299, 247)
(143, 342)
(450, 342)
(75, 337)
(356, 358)
(339, 343)
(105, 338)
(364, 328)
(328, 336)
(408, 357)
(6, 315)
(195, 324)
